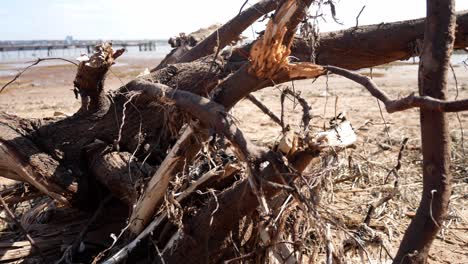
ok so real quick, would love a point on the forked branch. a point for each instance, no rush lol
(410, 101)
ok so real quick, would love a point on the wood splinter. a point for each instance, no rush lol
(90, 77)
(269, 55)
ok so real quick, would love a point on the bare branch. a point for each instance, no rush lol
(264, 109)
(30, 66)
(242, 7)
(228, 32)
(349, 48)
(306, 115)
(411, 101)
(357, 17)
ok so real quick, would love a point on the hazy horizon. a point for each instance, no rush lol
(150, 19)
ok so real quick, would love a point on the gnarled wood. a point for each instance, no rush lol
(21, 159)
(197, 243)
(373, 45)
(136, 123)
(364, 46)
(211, 115)
(118, 171)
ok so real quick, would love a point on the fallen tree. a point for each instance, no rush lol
(136, 142)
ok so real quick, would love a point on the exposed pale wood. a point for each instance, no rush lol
(157, 186)
(229, 212)
(211, 115)
(123, 253)
(58, 145)
(364, 46)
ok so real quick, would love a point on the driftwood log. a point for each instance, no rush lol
(133, 141)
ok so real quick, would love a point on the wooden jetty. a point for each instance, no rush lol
(143, 45)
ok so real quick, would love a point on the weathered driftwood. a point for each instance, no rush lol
(21, 159)
(228, 211)
(140, 122)
(221, 37)
(365, 46)
(155, 190)
(50, 134)
(183, 43)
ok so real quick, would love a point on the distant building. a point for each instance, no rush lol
(69, 40)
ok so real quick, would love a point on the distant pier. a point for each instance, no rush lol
(88, 45)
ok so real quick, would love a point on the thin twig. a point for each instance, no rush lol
(357, 18)
(264, 109)
(30, 66)
(326, 96)
(398, 165)
(240, 258)
(410, 101)
(430, 208)
(380, 202)
(242, 7)
(330, 249)
(283, 127)
(218, 43)
(71, 250)
(306, 116)
(386, 128)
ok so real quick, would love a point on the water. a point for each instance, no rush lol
(28, 55)
(12, 61)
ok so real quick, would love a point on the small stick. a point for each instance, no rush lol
(329, 245)
(242, 7)
(306, 116)
(30, 66)
(387, 198)
(378, 203)
(240, 258)
(410, 101)
(264, 109)
(71, 250)
(357, 18)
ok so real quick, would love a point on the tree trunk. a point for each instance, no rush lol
(366, 46)
(435, 58)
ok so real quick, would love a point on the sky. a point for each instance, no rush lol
(158, 19)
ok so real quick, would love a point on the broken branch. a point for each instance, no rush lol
(411, 101)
